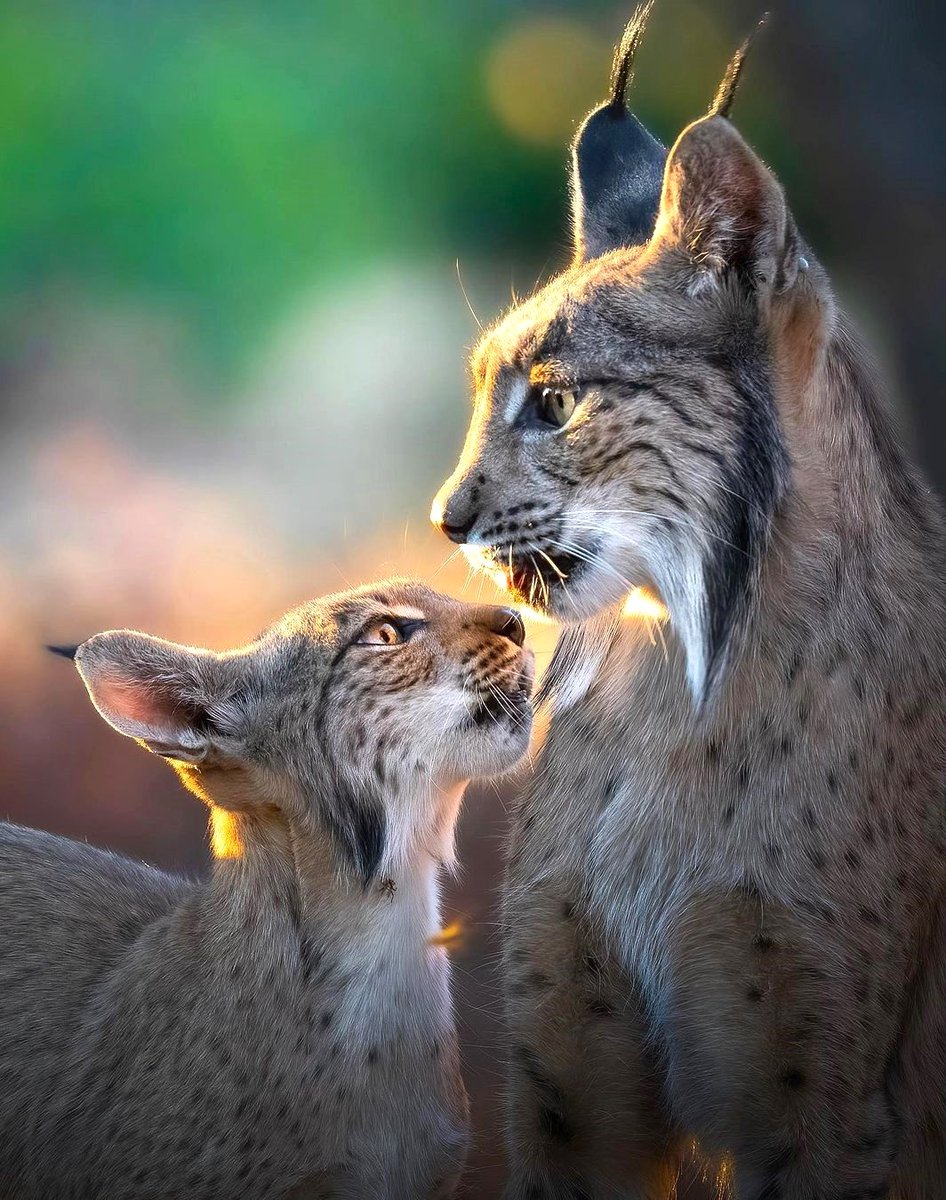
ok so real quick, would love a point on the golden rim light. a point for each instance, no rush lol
(642, 604)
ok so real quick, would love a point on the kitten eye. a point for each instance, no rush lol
(556, 405)
(390, 632)
(384, 633)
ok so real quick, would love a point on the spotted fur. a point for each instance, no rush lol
(725, 919)
(283, 1028)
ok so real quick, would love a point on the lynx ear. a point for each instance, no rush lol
(722, 205)
(617, 165)
(171, 698)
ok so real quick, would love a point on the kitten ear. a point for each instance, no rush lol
(171, 698)
(617, 165)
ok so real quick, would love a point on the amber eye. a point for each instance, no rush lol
(558, 404)
(391, 632)
(385, 633)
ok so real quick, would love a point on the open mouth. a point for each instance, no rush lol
(532, 577)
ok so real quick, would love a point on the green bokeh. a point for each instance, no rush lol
(215, 158)
(212, 161)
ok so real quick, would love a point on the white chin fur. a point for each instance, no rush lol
(677, 572)
(497, 749)
(589, 595)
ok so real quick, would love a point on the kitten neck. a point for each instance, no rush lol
(261, 857)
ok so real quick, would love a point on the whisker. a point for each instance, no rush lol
(553, 565)
(593, 517)
(446, 562)
(479, 323)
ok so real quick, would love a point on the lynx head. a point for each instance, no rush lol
(363, 712)
(624, 429)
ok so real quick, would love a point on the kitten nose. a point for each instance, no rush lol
(451, 520)
(506, 622)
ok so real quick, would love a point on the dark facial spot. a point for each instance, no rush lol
(754, 994)
(763, 944)
(793, 1079)
(550, 1106)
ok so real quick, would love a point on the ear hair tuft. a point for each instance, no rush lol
(64, 651)
(626, 52)
(617, 164)
(726, 92)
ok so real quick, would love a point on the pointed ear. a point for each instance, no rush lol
(617, 165)
(173, 699)
(724, 208)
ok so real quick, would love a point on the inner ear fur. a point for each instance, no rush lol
(723, 207)
(175, 700)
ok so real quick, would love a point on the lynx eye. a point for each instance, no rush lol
(556, 405)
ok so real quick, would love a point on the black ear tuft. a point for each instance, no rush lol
(617, 165)
(64, 651)
(357, 820)
(623, 66)
(726, 92)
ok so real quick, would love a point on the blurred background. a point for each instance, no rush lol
(241, 246)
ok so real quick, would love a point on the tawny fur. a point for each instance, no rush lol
(283, 1028)
(724, 913)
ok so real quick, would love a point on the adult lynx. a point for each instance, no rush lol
(725, 910)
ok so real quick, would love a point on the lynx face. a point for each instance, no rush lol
(399, 677)
(608, 430)
(624, 429)
(363, 710)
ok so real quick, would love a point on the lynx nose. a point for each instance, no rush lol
(453, 518)
(506, 622)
